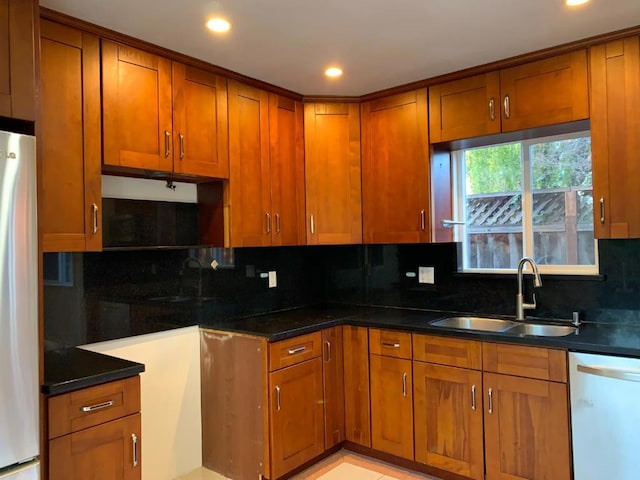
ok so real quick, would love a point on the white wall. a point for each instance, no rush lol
(170, 389)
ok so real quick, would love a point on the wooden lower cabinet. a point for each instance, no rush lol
(526, 429)
(296, 415)
(448, 418)
(391, 406)
(357, 405)
(110, 451)
(95, 433)
(333, 384)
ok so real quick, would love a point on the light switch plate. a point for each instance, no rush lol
(426, 275)
(273, 279)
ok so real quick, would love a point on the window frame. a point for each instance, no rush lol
(459, 209)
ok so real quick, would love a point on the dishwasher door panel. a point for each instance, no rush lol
(605, 418)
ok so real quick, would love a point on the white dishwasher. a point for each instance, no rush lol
(605, 416)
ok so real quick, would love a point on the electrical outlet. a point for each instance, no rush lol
(273, 279)
(426, 275)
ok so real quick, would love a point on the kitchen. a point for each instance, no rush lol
(110, 291)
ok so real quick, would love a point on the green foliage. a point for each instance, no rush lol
(560, 164)
(493, 169)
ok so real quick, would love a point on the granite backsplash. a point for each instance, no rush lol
(93, 297)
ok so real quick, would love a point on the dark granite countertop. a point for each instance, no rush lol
(70, 369)
(591, 337)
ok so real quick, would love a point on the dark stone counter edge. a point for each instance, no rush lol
(74, 368)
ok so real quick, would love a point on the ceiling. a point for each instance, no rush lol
(378, 43)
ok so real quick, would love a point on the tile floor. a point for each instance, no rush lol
(342, 465)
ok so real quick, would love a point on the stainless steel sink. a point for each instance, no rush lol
(542, 330)
(508, 327)
(475, 323)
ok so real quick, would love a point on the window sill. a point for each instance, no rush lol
(551, 276)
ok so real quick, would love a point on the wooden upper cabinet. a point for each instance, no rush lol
(526, 428)
(200, 135)
(17, 59)
(448, 419)
(395, 169)
(332, 173)
(615, 137)
(465, 108)
(286, 154)
(136, 105)
(249, 190)
(535, 94)
(70, 148)
(546, 92)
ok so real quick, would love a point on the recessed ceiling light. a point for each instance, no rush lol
(333, 72)
(218, 25)
(574, 3)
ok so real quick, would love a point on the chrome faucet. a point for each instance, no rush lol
(521, 306)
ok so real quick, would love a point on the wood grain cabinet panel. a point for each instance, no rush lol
(294, 350)
(266, 156)
(200, 133)
(333, 384)
(615, 137)
(545, 92)
(448, 419)
(390, 343)
(136, 108)
(296, 416)
(17, 59)
(333, 173)
(532, 362)
(535, 94)
(391, 406)
(526, 429)
(395, 169)
(70, 140)
(110, 451)
(465, 108)
(455, 352)
(357, 404)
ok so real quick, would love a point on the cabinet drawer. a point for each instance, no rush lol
(91, 406)
(532, 362)
(454, 352)
(294, 350)
(390, 343)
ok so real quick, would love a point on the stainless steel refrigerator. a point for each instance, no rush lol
(19, 415)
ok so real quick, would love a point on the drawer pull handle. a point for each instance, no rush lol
(167, 143)
(473, 397)
(492, 109)
(601, 209)
(181, 137)
(293, 351)
(404, 384)
(98, 406)
(94, 209)
(134, 443)
(507, 107)
(328, 345)
(277, 398)
(490, 400)
(391, 344)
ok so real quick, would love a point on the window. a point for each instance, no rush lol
(531, 198)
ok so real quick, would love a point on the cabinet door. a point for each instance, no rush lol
(249, 186)
(395, 169)
(200, 140)
(391, 406)
(332, 173)
(355, 349)
(287, 171)
(546, 92)
(136, 104)
(70, 160)
(464, 108)
(333, 376)
(17, 54)
(297, 416)
(110, 451)
(448, 419)
(526, 429)
(615, 137)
